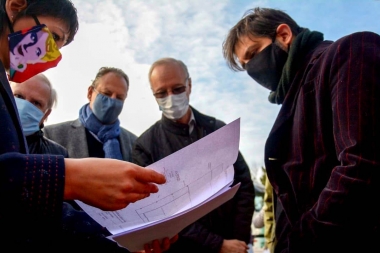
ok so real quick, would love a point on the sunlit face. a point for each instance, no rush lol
(167, 78)
(249, 46)
(36, 91)
(111, 85)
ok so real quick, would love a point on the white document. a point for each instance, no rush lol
(193, 174)
(135, 239)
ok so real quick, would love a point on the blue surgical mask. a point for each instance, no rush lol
(107, 109)
(30, 116)
(174, 106)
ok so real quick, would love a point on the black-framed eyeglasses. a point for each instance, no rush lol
(176, 90)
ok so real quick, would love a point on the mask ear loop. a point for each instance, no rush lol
(10, 25)
(36, 20)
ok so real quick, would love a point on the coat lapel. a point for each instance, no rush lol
(80, 140)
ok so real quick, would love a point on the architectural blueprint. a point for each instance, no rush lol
(193, 175)
(135, 239)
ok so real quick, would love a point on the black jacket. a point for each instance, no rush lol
(233, 219)
(38, 144)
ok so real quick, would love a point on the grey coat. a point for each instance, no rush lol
(72, 135)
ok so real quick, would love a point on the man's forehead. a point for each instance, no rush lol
(169, 73)
(112, 83)
(111, 79)
(37, 80)
(36, 86)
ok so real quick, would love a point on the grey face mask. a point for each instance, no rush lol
(174, 106)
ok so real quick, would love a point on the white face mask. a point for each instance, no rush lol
(174, 106)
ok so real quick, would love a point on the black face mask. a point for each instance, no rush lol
(266, 67)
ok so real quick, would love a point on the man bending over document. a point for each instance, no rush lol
(227, 228)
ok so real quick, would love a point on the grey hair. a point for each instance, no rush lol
(168, 60)
(257, 22)
(53, 100)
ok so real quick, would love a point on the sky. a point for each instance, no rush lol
(132, 34)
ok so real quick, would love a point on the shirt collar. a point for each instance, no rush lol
(191, 122)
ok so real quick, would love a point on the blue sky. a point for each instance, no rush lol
(132, 34)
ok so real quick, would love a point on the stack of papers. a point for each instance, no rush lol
(198, 180)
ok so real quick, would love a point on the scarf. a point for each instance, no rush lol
(302, 44)
(106, 134)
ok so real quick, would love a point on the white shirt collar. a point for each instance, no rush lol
(191, 122)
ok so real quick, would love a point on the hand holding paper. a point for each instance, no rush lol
(198, 179)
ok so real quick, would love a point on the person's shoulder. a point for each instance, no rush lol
(150, 131)
(204, 119)
(60, 130)
(63, 124)
(219, 123)
(353, 45)
(361, 34)
(362, 37)
(127, 132)
(56, 147)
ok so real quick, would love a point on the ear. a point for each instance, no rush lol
(189, 85)
(284, 35)
(44, 118)
(13, 7)
(89, 92)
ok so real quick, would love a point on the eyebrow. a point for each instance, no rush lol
(39, 101)
(107, 91)
(175, 86)
(64, 35)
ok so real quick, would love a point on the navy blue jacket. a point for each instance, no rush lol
(31, 186)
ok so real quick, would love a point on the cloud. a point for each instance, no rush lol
(131, 35)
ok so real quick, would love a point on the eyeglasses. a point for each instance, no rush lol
(177, 90)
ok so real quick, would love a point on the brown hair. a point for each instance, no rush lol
(105, 70)
(258, 22)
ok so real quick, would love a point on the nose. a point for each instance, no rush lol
(244, 61)
(169, 92)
